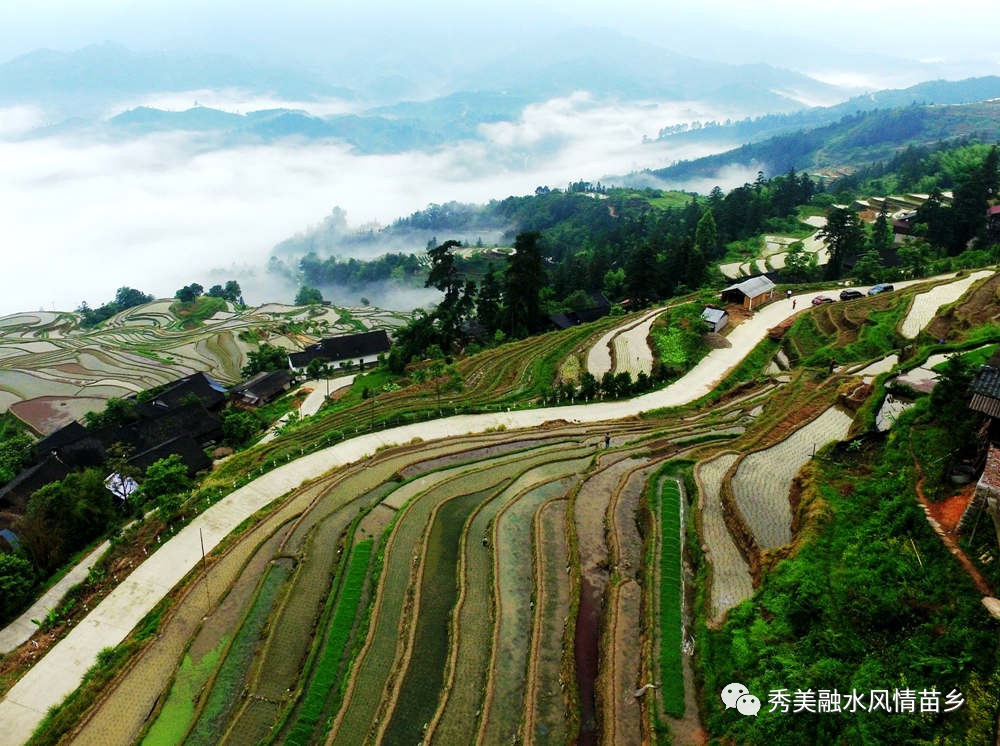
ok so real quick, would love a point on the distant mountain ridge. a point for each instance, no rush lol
(106, 71)
(934, 92)
(621, 68)
(856, 139)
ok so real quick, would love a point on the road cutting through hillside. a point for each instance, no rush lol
(61, 670)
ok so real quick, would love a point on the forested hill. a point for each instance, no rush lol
(757, 129)
(856, 139)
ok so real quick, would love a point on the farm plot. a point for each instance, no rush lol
(545, 708)
(730, 576)
(622, 722)
(599, 355)
(763, 479)
(436, 597)
(462, 703)
(325, 685)
(504, 706)
(201, 659)
(132, 697)
(620, 652)
(591, 507)
(925, 305)
(668, 595)
(228, 680)
(285, 648)
(632, 352)
(379, 662)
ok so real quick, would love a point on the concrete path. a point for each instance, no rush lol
(22, 628)
(60, 671)
(319, 390)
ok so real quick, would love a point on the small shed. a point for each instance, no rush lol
(750, 293)
(716, 318)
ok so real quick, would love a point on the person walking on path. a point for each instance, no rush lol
(607, 440)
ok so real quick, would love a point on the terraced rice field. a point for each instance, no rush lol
(730, 574)
(491, 588)
(628, 339)
(49, 354)
(925, 305)
(429, 594)
(763, 479)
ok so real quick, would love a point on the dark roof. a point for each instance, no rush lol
(211, 393)
(185, 446)
(265, 385)
(71, 433)
(189, 419)
(347, 347)
(15, 494)
(985, 389)
(987, 382)
(599, 308)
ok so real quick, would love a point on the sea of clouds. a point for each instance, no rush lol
(81, 215)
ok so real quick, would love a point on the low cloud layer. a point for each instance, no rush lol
(82, 218)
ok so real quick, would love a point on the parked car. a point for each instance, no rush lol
(851, 294)
(882, 287)
(819, 300)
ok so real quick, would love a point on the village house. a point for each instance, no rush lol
(344, 351)
(598, 308)
(751, 293)
(263, 387)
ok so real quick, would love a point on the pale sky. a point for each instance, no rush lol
(785, 30)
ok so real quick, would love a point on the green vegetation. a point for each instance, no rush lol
(16, 447)
(177, 713)
(64, 516)
(665, 506)
(229, 680)
(308, 296)
(194, 312)
(326, 687)
(265, 358)
(679, 339)
(126, 297)
(17, 579)
(873, 600)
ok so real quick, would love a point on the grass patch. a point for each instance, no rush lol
(327, 685)
(179, 709)
(194, 314)
(230, 678)
(666, 505)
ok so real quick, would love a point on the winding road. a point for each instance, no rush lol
(58, 673)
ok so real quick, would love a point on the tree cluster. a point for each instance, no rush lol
(510, 305)
(230, 291)
(125, 297)
(266, 357)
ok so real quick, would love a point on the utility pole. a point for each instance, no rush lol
(204, 565)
